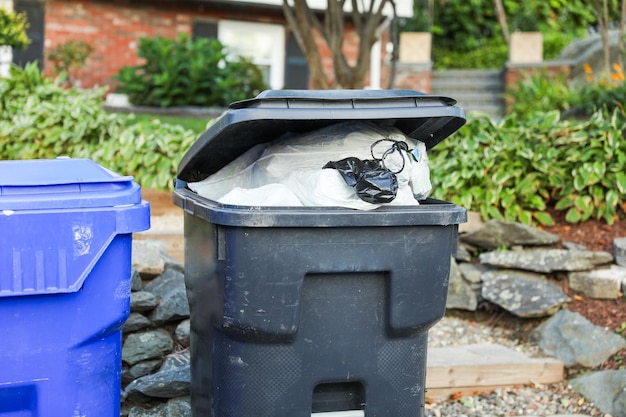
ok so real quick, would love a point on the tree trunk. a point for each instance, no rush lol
(602, 12)
(304, 23)
(620, 42)
(301, 24)
(502, 21)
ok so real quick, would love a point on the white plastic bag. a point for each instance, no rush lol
(294, 164)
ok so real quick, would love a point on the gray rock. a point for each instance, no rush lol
(170, 289)
(546, 260)
(140, 369)
(136, 282)
(141, 301)
(462, 254)
(144, 368)
(173, 306)
(182, 333)
(619, 250)
(573, 339)
(148, 345)
(171, 263)
(149, 257)
(170, 279)
(177, 407)
(474, 222)
(606, 389)
(496, 233)
(605, 283)
(136, 321)
(473, 272)
(460, 294)
(522, 293)
(573, 246)
(171, 381)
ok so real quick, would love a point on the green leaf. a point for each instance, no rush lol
(582, 177)
(612, 199)
(582, 202)
(573, 215)
(620, 181)
(544, 218)
(500, 177)
(525, 216)
(565, 202)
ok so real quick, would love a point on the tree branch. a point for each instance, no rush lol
(298, 16)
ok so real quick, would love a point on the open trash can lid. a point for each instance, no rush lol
(63, 183)
(274, 113)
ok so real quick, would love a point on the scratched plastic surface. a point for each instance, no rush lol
(300, 310)
(65, 257)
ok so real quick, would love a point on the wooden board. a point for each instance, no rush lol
(484, 367)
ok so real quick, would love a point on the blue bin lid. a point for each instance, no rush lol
(63, 183)
(57, 219)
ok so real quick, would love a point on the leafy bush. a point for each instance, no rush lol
(493, 53)
(69, 56)
(39, 118)
(539, 93)
(514, 169)
(466, 34)
(608, 91)
(13, 29)
(543, 92)
(149, 150)
(180, 72)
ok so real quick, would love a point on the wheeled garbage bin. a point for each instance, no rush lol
(301, 310)
(65, 266)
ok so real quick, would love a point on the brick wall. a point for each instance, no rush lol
(350, 49)
(414, 77)
(113, 29)
(113, 32)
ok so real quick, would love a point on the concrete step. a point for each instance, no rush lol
(486, 97)
(495, 112)
(468, 85)
(474, 90)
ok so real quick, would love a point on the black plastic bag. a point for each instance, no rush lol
(372, 182)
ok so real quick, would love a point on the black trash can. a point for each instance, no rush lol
(297, 310)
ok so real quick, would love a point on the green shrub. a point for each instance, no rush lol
(13, 29)
(539, 93)
(514, 169)
(543, 92)
(149, 149)
(491, 54)
(179, 72)
(41, 119)
(601, 95)
(69, 56)
(553, 44)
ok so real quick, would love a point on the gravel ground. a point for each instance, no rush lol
(538, 400)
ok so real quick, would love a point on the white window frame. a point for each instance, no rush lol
(276, 32)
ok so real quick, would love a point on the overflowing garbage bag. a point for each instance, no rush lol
(354, 164)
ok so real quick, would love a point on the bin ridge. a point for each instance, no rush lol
(68, 245)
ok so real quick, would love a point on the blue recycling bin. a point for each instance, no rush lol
(65, 269)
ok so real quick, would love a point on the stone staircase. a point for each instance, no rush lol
(475, 90)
